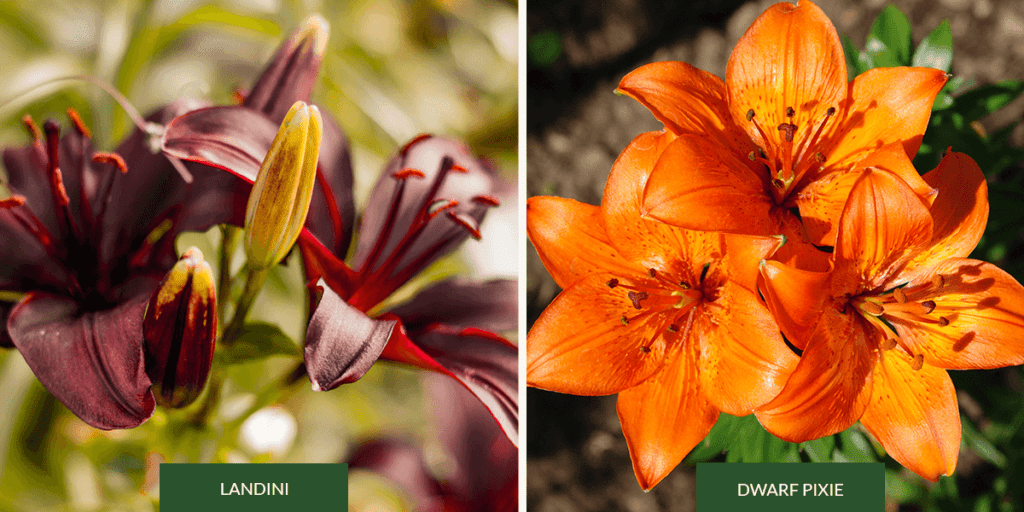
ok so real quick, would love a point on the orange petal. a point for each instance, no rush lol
(821, 201)
(571, 241)
(666, 416)
(789, 57)
(697, 184)
(985, 309)
(795, 297)
(913, 413)
(883, 225)
(831, 384)
(959, 211)
(580, 345)
(686, 100)
(743, 360)
(887, 105)
(743, 255)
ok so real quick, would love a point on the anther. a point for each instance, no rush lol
(652, 272)
(441, 205)
(408, 173)
(673, 328)
(788, 130)
(938, 281)
(899, 295)
(111, 158)
(779, 184)
(486, 200)
(473, 231)
(790, 112)
(645, 349)
(820, 158)
(636, 297)
(33, 130)
(624, 320)
(459, 168)
(918, 362)
(830, 112)
(684, 285)
(752, 156)
(873, 308)
(889, 344)
(12, 202)
(413, 142)
(612, 283)
(704, 271)
(750, 114)
(79, 125)
(929, 306)
(943, 321)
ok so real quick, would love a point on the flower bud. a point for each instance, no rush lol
(179, 330)
(280, 198)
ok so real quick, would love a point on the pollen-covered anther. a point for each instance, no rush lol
(943, 321)
(473, 231)
(612, 283)
(889, 344)
(752, 156)
(873, 308)
(79, 125)
(459, 168)
(788, 131)
(408, 173)
(441, 205)
(413, 142)
(624, 320)
(486, 200)
(111, 158)
(900, 296)
(33, 130)
(929, 306)
(636, 297)
(673, 328)
(750, 115)
(820, 158)
(779, 184)
(12, 202)
(918, 362)
(790, 112)
(645, 349)
(652, 272)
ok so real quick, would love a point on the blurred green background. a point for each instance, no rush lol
(393, 69)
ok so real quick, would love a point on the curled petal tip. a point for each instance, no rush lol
(317, 29)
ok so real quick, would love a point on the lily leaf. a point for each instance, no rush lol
(889, 42)
(820, 450)
(259, 341)
(936, 51)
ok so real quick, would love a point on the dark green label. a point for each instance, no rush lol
(252, 487)
(768, 487)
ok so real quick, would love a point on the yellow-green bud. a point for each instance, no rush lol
(279, 200)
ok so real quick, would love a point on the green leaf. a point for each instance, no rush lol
(854, 447)
(889, 40)
(260, 341)
(544, 48)
(936, 51)
(983, 100)
(857, 61)
(819, 450)
(977, 441)
(717, 441)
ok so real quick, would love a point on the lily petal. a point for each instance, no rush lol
(699, 185)
(342, 343)
(231, 138)
(884, 224)
(743, 360)
(664, 417)
(5, 338)
(822, 200)
(596, 353)
(984, 308)
(795, 297)
(459, 303)
(292, 72)
(686, 100)
(486, 364)
(332, 209)
(914, 414)
(571, 241)
(790, 57)
(91, 361)
(831, 385)
(886, 105)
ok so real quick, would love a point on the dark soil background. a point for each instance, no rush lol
(576, 456)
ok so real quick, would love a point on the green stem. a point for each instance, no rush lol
(253, 283)
(210, 401)
(231, 236)
(282, 388)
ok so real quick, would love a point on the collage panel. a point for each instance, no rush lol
(271, 238)
(655, 346)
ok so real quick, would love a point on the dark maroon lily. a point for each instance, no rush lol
(429, 200)
(87, 242)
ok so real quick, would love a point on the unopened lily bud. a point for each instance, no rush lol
(179, 330)
(280, 198)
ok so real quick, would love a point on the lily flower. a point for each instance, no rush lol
(901, 305)
(783, 132)
(84, 259)
(666, 317)
(430, 199)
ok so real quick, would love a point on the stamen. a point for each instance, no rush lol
(624, 320)
(820, 158)
(673, 328)
(889, 344)
(788, 130)
(929, 306)
(408, 173)
(899, 295)
(79, 125)
(473, 231)
(938, 281)
(33, 130)
(790, 112)
(12, 202)
(636, 297)
(60, 195)
(441, 205)
(684, 285)
(413, 142)
(779, 184)
(750, 115)
(111, 158)
(652, 272)
(645, 349)
(918, 362)
(459, 168)
(873, 308)
(612, 283)
(943, 321)
(752, 156)
(486, 200)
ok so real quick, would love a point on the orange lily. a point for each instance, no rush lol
(665, 317)
(900, 306)
(784, 131)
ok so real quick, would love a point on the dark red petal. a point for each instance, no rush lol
(231, 138)
(492, 306)
(292, 72)
(25, 262)
(332, 210)
(5, 338)
(484, 363)
(342, 343)
(91, 361)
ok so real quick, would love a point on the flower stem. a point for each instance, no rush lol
(231, 236)
(253, 283)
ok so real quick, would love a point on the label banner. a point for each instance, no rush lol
(252, 487)
(791, 487)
